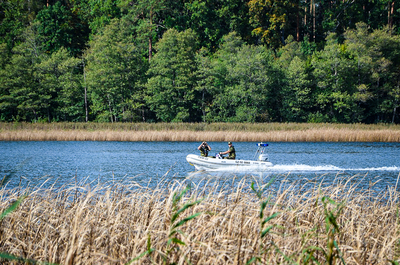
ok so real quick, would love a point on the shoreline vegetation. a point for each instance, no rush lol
(195, 132)
(305, 223)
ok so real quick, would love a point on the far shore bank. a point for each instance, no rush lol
(195, 132)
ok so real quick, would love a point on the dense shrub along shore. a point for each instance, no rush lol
(307, 223)
(286, 132)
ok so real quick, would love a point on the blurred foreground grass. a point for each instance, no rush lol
(299, 223)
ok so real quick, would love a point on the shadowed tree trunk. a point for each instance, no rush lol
(390, 14)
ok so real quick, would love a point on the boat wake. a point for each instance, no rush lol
(307, 168)
(295, 168)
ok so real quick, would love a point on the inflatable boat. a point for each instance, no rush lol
(259, 162)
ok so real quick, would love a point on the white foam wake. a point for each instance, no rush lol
(306, 169)
(393, 168)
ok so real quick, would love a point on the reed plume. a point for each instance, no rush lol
(273, 132)
(116, 223)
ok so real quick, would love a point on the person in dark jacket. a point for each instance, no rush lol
(204, 149)
(231, 151)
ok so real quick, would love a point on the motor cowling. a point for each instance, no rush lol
(263, 157)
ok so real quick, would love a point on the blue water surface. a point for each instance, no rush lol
(30, 163)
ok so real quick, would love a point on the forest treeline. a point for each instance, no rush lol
(200, 61)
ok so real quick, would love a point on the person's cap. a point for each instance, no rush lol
(229, 142)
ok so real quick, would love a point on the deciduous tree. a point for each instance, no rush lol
(115, 71)
(171, 83)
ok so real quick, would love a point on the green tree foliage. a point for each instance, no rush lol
(15, 16)
(147, 18)
(205, 82)
(334, 84)
(36, 85)
(192, 60)
(114, 73)
(23, 97)
(338, 16)
(244, 81)
(296, 86)
(171, 83)
(288, 52)
(61, 75)
(296, 100)
(211, 20)
(269, 19)
(59, 27)
(377, 61)
(97, 14)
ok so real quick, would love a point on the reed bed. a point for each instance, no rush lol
(113, 224)
(273, 132)
(218, 126)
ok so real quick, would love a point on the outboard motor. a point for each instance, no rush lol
(263, 157)
(260, 154)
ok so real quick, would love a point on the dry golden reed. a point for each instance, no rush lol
(112, 224)
(273, 132)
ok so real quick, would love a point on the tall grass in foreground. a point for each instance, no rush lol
(114, 224)
(287, 132)
(13, 206)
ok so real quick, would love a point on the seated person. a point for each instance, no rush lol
(204, 149)
(231, 152)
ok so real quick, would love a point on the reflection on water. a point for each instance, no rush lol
(369, 165)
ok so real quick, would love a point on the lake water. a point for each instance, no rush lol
(31, 163)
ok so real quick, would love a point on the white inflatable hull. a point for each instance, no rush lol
(208, 163)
